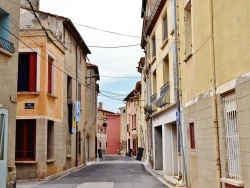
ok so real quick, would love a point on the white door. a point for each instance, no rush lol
(3, 146)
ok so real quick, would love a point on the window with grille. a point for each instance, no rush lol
(232, 136)
(25, 140)
(27, 65)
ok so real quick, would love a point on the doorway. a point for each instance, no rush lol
(158, 148)
(3, 146)
(171, 157)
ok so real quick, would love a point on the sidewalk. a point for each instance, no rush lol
(158, 174)
(34, 182)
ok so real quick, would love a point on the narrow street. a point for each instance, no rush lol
(109, 172)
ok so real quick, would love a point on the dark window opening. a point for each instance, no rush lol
(50, 140)
(25, 140)
(192, 136)
(27, 65)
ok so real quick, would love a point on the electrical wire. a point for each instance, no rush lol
(106, 31)
(34, 13)
(104, 95)
(90, 46)
(132, 45)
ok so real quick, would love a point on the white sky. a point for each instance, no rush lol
(119, 16)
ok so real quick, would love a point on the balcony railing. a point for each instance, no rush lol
(7, 45)
(164, 96)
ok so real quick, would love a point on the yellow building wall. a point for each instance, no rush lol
(231, 28)
(45, 104)
(163, 48)
(196, 71)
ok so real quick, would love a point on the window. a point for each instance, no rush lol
(4, 23)
(165, 27)
(25, 140)
(50, 75)
(153, 47)
(27, 65)
(188, 30)
(50, 140)
(192, 136)
(166, 70)
(127, 127)
(79, 92)
(154, 82)
(134, 122)
(69, 87)
(232, 136)
(79, 142)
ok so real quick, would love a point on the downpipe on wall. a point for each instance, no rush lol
(214, 97)
(180, 149)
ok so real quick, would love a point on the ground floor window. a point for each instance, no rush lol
(25, 140)
(50, 140)
(232, 136)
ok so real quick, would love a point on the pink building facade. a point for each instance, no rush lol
(113, 133)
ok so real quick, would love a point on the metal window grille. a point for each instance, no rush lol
(232, 136)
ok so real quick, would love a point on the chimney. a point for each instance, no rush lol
(35, 4)
(100, 105)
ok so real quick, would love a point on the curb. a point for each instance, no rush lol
(156, 175)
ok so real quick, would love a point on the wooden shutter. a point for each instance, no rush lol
(50, 61)
(192, 136)
(32, 78)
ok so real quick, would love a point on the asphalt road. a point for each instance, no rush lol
(109, 172)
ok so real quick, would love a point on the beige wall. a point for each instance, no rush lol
(68, 60)
(231, 43)
(164, 48)
(8, 84)
(123, 131)
(91, 115)
(231, 73)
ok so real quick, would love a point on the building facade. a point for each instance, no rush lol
(51, 95)
(113, 133)
(9, 34)
(102, 128)
(132, 120)
(92, 90)
(215, 91)
(123, 132)
(196, 85)
(160, 88)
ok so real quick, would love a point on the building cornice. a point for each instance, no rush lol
(154, 16)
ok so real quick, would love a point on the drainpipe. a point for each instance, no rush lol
(214, 98)
(181, 154)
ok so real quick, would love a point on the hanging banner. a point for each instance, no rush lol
(74, 125)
